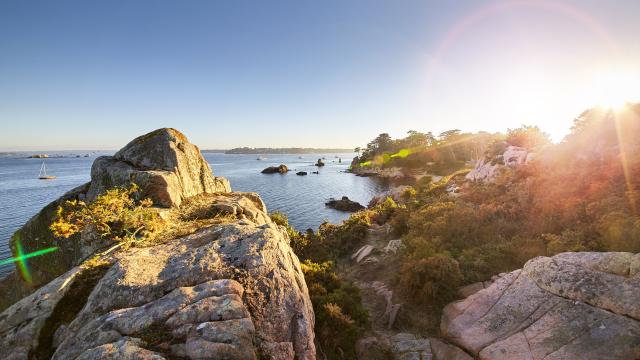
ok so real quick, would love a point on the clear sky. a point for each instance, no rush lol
(94, 74)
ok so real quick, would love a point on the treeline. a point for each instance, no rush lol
(248, 150)
(452, 147)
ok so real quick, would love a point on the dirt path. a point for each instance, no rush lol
(397, 330)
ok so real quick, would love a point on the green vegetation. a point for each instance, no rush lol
(443, 154)
(579, 195)
(336, 302)
(116, 215)
(337, 305)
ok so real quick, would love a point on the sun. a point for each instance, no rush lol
(613, 89)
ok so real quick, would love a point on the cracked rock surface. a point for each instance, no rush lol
(232, 291)
(570, 306)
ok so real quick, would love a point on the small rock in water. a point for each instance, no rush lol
(282, 169)
(344, 204)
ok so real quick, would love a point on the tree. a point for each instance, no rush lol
(380, 144)
(448, 140)
(447, 135)
(530, 137)
(417, 139)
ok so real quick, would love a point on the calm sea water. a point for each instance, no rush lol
(302, 198)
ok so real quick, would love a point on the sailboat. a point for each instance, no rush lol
(43, 173)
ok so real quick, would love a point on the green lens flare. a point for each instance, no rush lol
(20, 259)
(402, 153)
(22, 256)
(385, 158)
(22, 265)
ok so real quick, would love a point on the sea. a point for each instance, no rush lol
(301, 198)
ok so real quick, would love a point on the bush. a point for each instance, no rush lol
(384, 211)
(568, 240)
(434, 279)
(298, 241)
(334, 241)
(115, 215)
(337, 305)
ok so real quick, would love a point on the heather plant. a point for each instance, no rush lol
(116, 215)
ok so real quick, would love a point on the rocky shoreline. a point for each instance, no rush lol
(233, 290)
(229, 285)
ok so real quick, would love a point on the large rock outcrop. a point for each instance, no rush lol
(487, 169)
(167, 168)
(570, 306)
(232, 290)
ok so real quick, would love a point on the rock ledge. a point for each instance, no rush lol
(570, 306)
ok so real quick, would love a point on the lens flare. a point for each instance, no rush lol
(631, 194)
(615, 88)
(403, 153)
(20, 259)
(385, 157)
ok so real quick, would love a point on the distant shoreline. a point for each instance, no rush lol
(55, 154)
(247, 150)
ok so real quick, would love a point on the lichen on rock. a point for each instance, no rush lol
(570, 306)
(163, 163)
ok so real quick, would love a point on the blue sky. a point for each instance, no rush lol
(93, 75)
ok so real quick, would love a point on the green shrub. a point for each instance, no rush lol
(115, 215)
(382, 212)
(568, 240)
(434, 279)
(298, 241)
(333, 241)
(340, 316)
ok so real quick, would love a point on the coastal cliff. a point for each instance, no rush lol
(230, 289)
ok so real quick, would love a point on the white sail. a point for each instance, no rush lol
(43, 173)
(43, 170)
